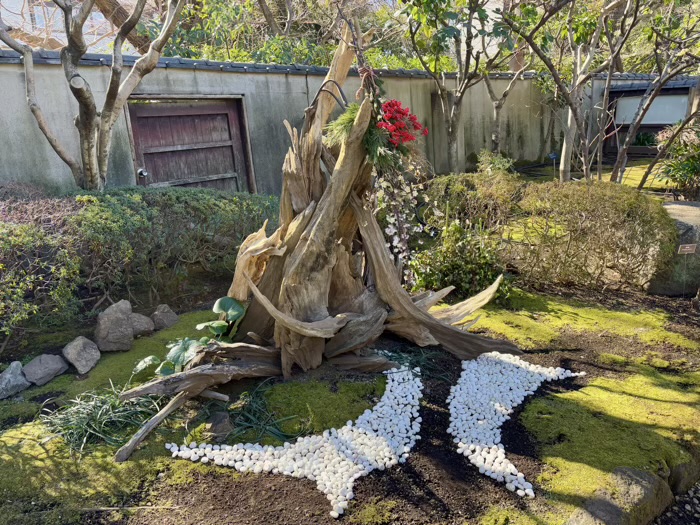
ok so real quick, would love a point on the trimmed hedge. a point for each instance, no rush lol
(91, 244)
(583, 234)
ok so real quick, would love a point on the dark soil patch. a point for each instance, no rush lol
(435, 485)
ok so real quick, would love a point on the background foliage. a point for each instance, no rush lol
(55, 251)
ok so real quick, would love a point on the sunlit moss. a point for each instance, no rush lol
(535, 321)
(646, 421)
(320, 405)
(113, 366)
(376, 512)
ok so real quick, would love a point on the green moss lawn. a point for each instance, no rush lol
(42, 482)
(536, 321)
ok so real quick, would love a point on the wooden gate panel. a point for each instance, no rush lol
(193, 144)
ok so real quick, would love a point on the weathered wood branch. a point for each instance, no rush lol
(125, 452)
(462, 344)
(201, 378)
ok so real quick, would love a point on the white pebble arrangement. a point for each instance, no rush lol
(488, 390)
(380, 438)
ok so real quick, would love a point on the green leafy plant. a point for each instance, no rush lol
(464, 258)
(180, 353)
(99, 417)
(232, 310)
(682, 165)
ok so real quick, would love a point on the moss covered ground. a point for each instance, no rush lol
(536, 321)
(42, 482)
(644, 414)
(647, 421)
(633, 175)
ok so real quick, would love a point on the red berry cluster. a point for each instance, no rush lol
(400, 123)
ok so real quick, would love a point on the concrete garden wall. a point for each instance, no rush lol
(270, 94)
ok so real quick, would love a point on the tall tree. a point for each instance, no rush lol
(94, 126)
(446, 32)
(674, 30)
(583, 26)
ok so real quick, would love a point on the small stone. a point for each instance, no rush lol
(82, 353)
(114, 332)
(141, 324)
(44, 368)
(12, 380)
(163, 317)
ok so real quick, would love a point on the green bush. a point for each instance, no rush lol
(91, 244)
(590, 234)
(682, 164)
(153, 237)
(464, 258)
(38, 275)
(487, 199)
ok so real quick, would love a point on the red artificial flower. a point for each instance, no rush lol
(398, 121)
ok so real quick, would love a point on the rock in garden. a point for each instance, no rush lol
(12, 380)
(141, 324)
(164, 317)
(219, 426)
(114, 331)
(44, 368)
(82, 353)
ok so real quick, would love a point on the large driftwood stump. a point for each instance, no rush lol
(324, 285)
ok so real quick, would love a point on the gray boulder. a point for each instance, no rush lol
(44, 368)
(164, 317)
(114, 332)
(683, 277)
(636, 499)
(82, 353)
(12, 380)
(141, 324)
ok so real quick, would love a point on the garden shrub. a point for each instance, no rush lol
(38, 276)
(590, 234)
(682, 164)
(486, 198)
(464, 258)
(92, 244)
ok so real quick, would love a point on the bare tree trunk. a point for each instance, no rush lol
(567, 149)
(648, 98)
(603, 120)
(117, 15)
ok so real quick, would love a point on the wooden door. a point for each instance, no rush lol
(190, 143)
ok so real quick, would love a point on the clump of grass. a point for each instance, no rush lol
(431, 363)
(377, 512)
(252, 418)
(613, 359)
(99, 417)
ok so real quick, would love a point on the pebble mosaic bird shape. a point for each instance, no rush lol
(487, 391)
(485, 395)
(380, 438)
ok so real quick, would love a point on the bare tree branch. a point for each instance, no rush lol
(117, 15)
